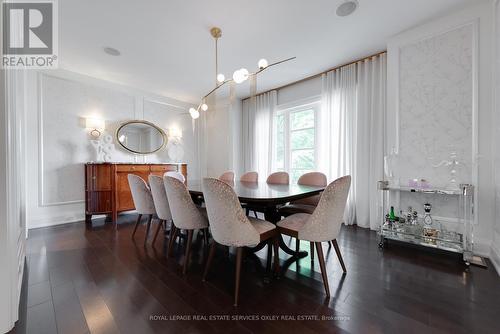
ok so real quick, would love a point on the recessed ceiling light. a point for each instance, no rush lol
(111, 51)
(347, 7)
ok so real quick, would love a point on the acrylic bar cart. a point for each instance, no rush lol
(454, 237)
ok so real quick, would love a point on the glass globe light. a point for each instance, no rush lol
(204, 107)
(195, 114)
(220, 78)
(262, 63)
(240, 75)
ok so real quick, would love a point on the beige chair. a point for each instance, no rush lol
(278, 178)
(323, 224)
(161, 203)
(305, 205)
(231, 227)
(274, 178)
(227, 177)
(250, 177)
(185, 214)
(143, 201)
(176, 175)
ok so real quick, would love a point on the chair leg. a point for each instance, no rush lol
(188, 250)
(137, 224)
(148, 227)
(173, 234)
(205, 236)
(311, 244)
(158, 228)
(322, 265)
(247, 211)
(239, 253)
(297, 245)
(269, 255)
(276, 246)
(211, 254)
(339, 255)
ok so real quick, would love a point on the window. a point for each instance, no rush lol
(295, 140)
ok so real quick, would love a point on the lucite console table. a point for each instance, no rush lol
(449, 234)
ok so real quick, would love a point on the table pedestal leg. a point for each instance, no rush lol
(271, 214)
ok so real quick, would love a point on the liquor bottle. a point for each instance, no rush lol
(392, 216)
(427, 214)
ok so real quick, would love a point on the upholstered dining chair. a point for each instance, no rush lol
(231, 227)
(323, 224)
(161, 203)
(176, 175)
(278, 178)
(251, 177)
(185, 215)
(273, 178)
(143, 201)
(227, 177)
(305, 205)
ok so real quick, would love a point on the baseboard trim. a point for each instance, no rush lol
(495, 258)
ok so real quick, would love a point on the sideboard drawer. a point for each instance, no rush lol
(164, 168)
(132, 168)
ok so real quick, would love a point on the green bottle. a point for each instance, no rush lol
(392, 216)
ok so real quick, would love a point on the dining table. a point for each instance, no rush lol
(266, 198)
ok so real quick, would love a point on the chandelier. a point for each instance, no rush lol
(239, 76)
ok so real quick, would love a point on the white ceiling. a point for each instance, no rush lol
(167, 49)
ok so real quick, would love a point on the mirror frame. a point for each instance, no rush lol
(160, 130)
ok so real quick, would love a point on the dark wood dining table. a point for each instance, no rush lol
(266, 198)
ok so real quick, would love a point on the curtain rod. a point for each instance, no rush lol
(319, 74)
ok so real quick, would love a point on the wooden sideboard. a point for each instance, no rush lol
(107, 191)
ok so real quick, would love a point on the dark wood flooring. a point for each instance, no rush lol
(98, 280)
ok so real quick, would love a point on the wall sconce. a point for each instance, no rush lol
(95, 125)
(175, 134)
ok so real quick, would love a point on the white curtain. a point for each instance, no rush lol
(337, 128)
(257, 121)
(370, 119)
(351, 125)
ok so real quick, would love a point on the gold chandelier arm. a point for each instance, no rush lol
(254, 73)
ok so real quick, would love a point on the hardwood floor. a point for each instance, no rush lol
(97, 280)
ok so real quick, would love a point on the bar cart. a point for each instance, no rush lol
(453, 234)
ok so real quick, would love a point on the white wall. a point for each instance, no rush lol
(12, 193)
(432, 125)
(222, 138)
(59, 145)
(495, 246)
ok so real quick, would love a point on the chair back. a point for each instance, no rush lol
(227, 177)
(228, 222)
(311, 179)
(252, 177)
(141, 195)
(160, 197)
(185, 214)
(324, 223)
(278, 178)
(176, 175)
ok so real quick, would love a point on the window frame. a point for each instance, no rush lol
(287, 110)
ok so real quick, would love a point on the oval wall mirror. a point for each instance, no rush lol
(141, 137)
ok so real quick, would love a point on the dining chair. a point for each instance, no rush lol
(161, 203)
(143, 201)
(323, 224)
(232, 228)
(251, 177)
(278, 178)
(273, 178)
(227, 177)
(185, 215)
(176, 175)
(305, 205)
